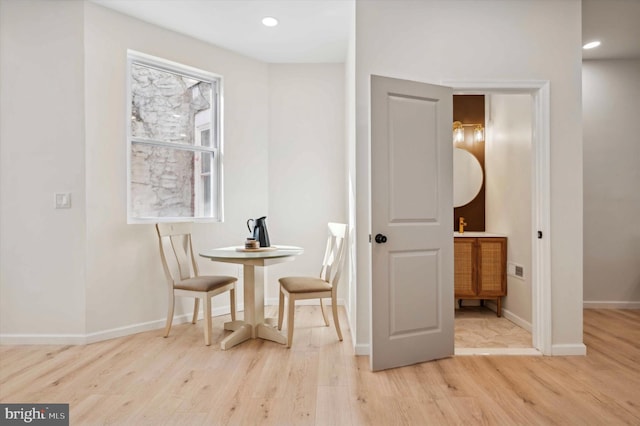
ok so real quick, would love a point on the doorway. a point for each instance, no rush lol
(412, 272)
(499, 216)
(538, 91)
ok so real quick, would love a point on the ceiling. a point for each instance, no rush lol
(616, 23)
(308, 30)
(318, 30)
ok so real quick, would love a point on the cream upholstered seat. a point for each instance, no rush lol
(183, 279)
(325, 286)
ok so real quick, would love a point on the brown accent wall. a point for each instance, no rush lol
(469, 109)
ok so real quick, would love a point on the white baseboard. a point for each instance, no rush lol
(520, 322)
(516, 320)
(84, 339)
(128, 330)
(568, 349)
(556, 350)
(42, 339)
(610, 305)
(362, 349)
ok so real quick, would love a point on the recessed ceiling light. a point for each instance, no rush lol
(269, 21)
(591, 45)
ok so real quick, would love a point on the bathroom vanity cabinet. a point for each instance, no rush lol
(480, 268)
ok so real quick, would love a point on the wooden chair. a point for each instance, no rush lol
(299, 288)
(183, 278)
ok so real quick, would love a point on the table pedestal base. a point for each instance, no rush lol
(268, 331)
(243, 331)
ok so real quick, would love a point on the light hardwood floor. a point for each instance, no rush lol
(146, 379)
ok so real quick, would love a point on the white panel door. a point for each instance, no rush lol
(412, 222)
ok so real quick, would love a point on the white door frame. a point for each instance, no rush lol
(541, 205)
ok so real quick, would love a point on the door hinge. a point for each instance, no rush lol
(539, 235)
(369, 237)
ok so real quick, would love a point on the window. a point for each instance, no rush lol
(174, 142)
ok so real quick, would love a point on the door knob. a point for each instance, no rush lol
(380, 239)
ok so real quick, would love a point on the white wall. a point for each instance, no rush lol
(425, 41)
(42, 250)
(96, 276)
(611, 103)
(83, 274)
(307, 180)
(125, 283)
(508, 181)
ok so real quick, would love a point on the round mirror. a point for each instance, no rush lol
(467, 177)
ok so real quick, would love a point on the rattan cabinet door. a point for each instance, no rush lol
(492, 266)
(464, 255)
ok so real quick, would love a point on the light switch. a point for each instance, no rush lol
(63, 200)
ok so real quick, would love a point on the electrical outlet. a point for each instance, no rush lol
(62, 200)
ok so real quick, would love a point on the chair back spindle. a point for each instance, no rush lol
(176, 251)
(181, 245)
(334, 252)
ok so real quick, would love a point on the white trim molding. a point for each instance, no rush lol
(362, 349)
(520, 322)
(577, 349)
(43, 339)
(541, 325)
(98, 336)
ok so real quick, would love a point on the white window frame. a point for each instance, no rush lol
(197, 171)
(216, 134)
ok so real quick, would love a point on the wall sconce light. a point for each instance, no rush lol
(458, 132)
(478, 133)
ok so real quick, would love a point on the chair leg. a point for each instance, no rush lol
(171, 304)
(324, 314)
(336, 322)
(292, 306)
(232, 301)
(207, 320)
(280, 310)
(196, 306)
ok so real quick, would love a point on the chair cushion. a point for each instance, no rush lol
(205, 282)
(304, 284)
